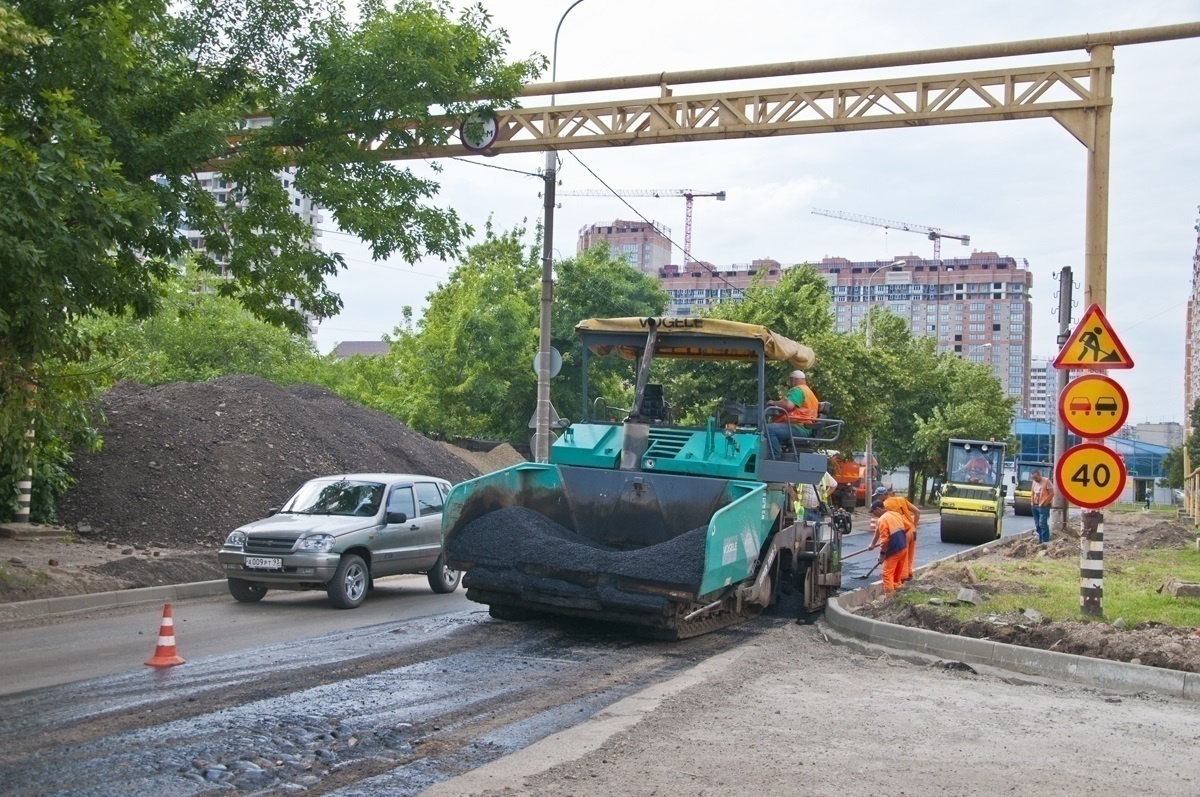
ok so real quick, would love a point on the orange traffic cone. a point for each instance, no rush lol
(164, 654)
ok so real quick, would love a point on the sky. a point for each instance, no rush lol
(1016, 187)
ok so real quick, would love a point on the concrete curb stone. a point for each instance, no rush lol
(28, 610)
(1100, 673)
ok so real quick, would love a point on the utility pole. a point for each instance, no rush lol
(1058, 518)
(541, 436)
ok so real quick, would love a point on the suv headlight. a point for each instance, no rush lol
(236, 539)
(317, 542)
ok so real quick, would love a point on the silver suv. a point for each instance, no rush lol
(340, 533)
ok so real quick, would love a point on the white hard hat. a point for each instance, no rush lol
(796, 375)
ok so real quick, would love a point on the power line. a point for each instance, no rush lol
(494, 166)
(686, 254)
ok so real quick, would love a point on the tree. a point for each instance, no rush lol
(108, 108)
(972, 406)
(595, 284)
(465, 371)
(1172, 464)
(196, 335)
(849, 376)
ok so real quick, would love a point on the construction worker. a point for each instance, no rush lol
(1040, 502)
(978, 469)
(912, 516)
(891, 540)
(800, 407)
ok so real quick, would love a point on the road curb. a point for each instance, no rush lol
(1084, 670)
(29, 610)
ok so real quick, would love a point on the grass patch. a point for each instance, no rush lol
(1051, 586)
(1156, 509)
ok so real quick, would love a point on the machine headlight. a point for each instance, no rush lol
(317, 542)
(236, 539)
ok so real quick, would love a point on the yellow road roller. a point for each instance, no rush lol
(972, 502)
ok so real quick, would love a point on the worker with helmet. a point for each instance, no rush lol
(800, 411)
(911, 515)
(892, 540)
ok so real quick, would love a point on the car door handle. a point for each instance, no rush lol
(413, 527)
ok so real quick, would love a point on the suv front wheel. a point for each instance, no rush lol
(442, 579)
(247, 591)
(349, 584)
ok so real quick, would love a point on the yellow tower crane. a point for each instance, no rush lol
(935, 234)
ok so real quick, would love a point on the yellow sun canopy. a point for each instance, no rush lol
(684, 338)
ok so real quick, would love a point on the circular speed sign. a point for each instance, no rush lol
(1090, 475)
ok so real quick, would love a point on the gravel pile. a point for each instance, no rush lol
(514, 536)
(186, 463)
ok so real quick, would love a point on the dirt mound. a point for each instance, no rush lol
(1152, 644)
(500, 457)
(184, 464)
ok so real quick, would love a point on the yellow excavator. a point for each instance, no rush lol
(972, 503)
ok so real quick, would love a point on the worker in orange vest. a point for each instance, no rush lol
(799, 407)
(892, 542)
(912, 516)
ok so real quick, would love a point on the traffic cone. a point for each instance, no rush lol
(164, 654)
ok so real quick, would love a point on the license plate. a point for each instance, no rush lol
(264, 563)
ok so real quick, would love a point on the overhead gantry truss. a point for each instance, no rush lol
(1063, 91)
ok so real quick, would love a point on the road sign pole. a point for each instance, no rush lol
(1059, 506)
(1091, 565)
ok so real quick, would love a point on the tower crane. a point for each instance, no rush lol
(935, 234)
(687, 193)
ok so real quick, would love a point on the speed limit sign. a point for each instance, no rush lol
(1090, 475)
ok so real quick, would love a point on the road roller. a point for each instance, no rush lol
(973, 497)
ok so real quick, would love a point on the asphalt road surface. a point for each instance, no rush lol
(930, 547)
(40, 653)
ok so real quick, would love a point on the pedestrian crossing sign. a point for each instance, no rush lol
(1093, 344)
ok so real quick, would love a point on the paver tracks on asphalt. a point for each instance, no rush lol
(407, 705)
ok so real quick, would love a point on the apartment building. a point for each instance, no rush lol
(644, 245)
(302, 207)
(1191, 360)
(977, 307)
(1043, 389)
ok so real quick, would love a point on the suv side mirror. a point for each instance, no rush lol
(396, 517)
(273, 511)
(1003, 490)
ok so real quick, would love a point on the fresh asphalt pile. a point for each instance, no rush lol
(517, 540)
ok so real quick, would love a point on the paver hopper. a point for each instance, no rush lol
(680, 528)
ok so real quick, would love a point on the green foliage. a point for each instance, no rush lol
(195, 336)
(1173, 461)
(595, 284)
(466, 368)
(970, 405)
(109, 107)
(63, 412)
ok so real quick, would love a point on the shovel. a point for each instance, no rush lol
(872, 570)
(856, 553)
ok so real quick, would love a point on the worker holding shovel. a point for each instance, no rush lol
(892, 539)
(911, 516)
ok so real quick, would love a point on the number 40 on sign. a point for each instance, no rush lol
(1090, 475)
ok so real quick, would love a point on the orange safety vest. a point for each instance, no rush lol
(1043, 494)
(901, 507)
(891, 523)
(805, 413)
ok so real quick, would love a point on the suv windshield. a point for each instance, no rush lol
(975, 464)
(342, 497)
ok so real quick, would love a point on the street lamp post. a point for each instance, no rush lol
(541, 437)
(869, 459)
